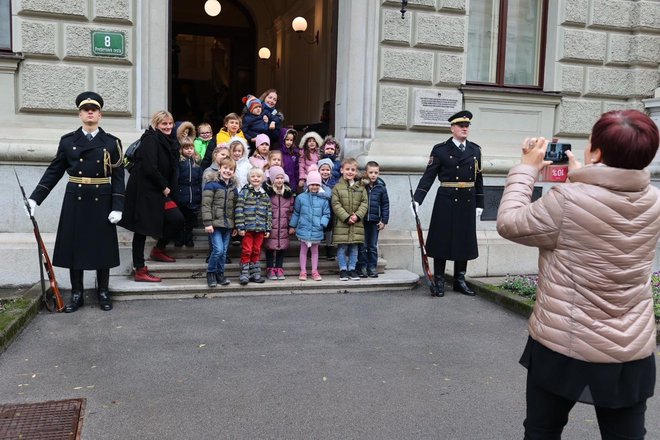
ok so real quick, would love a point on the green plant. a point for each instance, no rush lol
(525, 285)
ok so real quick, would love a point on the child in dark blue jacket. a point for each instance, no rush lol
(189, 195)
(254, 122)
(378, 214)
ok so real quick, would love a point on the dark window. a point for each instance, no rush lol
(5, 25)
(506, 42)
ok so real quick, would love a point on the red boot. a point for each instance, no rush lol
(160, 255)
(142, 274)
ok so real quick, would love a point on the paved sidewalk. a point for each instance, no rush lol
(393, 365)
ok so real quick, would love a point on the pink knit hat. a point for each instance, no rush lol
(275, 171)
(262, 139)
(313, 176)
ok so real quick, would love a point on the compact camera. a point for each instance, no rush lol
(556, 152)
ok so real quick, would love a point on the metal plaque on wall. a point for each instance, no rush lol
(492, 198)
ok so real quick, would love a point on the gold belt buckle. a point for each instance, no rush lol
(86, 180)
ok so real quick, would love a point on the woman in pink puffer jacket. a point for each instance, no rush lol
(592, 334)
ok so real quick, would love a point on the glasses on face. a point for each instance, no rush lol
(205, 133)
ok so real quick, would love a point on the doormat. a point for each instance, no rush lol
(52, 420)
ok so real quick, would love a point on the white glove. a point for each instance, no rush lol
(479, 212)
(414, 208)
(33, 206)
(114, 217)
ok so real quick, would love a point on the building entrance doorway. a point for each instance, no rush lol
(214, 61)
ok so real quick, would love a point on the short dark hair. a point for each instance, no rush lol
(372, 164)
(626, 139)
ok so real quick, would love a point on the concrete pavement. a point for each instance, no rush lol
(392, 365)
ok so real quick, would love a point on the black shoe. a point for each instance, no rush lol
(372, 273)
(105, 303)
(438, 287)
(221, 279)
(227, 260)
(343, 275)
(461, 286)
(76, 301)
(353, 276)
(210, 279)
(362, 273)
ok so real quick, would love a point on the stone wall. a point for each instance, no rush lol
(54, 37)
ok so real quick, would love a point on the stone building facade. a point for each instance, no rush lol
(598, 55)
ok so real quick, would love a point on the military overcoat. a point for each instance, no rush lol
(452, 232)
(85, 237)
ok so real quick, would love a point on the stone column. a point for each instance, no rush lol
(652, 106)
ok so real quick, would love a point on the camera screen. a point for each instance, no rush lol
(556, 152)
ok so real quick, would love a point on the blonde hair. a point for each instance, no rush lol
(271, 154)
(258, 171)
(349, 161)
(159, 117)
(204, 125)
(228, 162)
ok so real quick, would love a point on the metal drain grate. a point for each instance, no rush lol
(53, 420)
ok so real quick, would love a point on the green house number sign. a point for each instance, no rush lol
(108, 44)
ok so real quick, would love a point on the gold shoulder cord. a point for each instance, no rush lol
(476, 164)
(107, 159)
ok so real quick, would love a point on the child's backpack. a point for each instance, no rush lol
(129, 155)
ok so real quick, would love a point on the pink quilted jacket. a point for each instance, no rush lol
(596, 237)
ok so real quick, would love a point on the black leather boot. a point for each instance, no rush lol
(439, 286)
(211, 280)
(459, 279)
(77, 291)
(103, 293)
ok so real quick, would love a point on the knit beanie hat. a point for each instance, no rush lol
(313, 176)
(251, 101)
(275, 171)
(262, 139)
(327, 162)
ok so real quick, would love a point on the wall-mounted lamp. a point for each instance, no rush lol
(404, 3)
(299, 24)
(264, 53)
(212, 7)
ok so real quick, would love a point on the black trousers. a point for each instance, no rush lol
(274, 258)
(173, 222)
(190, 220)
(547, 414)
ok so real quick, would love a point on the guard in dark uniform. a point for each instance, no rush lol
(93, 201)
(459, 201)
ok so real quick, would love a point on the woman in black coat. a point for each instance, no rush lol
(149, 208)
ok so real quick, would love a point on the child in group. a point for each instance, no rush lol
(219, 153)
(254, 122)
(332, 150)
(232, 127)
(204, 142)
(275, 118)
(260, 157)
(311, 214)
(239, 152)
(290, 156)
(189, 193)
(328, 181)
(218, 201)
(378, 214)
(281, 203)
(253, 219)
(349, 205)
(309, 154)
(274, 159)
